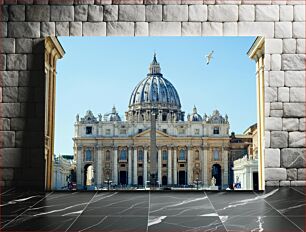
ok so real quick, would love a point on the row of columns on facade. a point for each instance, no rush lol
(172, 168)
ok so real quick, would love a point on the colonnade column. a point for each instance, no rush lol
(174, 167)
(169, 166)
(225, 165)
(206, 178)
(130, 166)
(145, 168)
(189, 166)
(159, 166)
(202, 164)
(99, 167)
(115, 165)
(79, 168)
(135, 166)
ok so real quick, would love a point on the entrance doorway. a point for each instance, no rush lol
(216, 172)
(164, 180)
(140, 180)
(255, 181)
(123, 177)
(182, 178)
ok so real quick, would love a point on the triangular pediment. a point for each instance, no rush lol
(146, 134)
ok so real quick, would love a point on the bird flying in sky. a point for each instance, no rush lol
(209, 57)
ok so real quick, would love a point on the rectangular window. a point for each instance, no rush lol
(181, 131)
(89, 130)
(107, 131)
(139, 131)
(122, 165)
(165, 131)
(140, 165)
(164, 165)
(122, 131)
(165, 155)
(216, 130)
(182, 165)
(216, 154)
(197, 131)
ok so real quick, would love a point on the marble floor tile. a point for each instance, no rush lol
(111, 223)
(259, 223)
(185, 223)
(180, 204)
(281, 209)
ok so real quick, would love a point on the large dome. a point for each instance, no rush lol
(155, 91)
(154, 94)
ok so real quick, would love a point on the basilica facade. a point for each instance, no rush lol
(190, 148)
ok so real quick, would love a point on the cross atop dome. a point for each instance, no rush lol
(154, 67)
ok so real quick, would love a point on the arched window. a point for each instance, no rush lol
(88, 155)
(123, 154)
(140, 155)
(165, 155)
(196, 155)
(107, 156)
(216, 154)
(182, 155)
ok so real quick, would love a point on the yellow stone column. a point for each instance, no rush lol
(53, 52)
(256, 52)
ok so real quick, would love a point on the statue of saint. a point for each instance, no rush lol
(77, 117)
(168, 117)
(160, 116)
(100, 117)
(174, 117)
(213, 181)
(205, 117)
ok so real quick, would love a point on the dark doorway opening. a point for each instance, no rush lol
(164, 180)
(123, 177)
(140, 180)
(216, 172)
(182, 178)
(255, 181)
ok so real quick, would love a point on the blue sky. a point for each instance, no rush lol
(99, 72)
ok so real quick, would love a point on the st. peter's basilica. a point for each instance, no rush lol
(188, 151)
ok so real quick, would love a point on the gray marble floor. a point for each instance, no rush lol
(280, 209)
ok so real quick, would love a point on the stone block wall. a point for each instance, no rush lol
(24, 24)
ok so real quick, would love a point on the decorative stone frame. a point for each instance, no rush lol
(22, 93)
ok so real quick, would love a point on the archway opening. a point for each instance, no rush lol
(88, 128)
(88, 176)
(217, 174)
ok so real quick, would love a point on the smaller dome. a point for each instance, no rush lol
(194, 117)
(113, 116)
